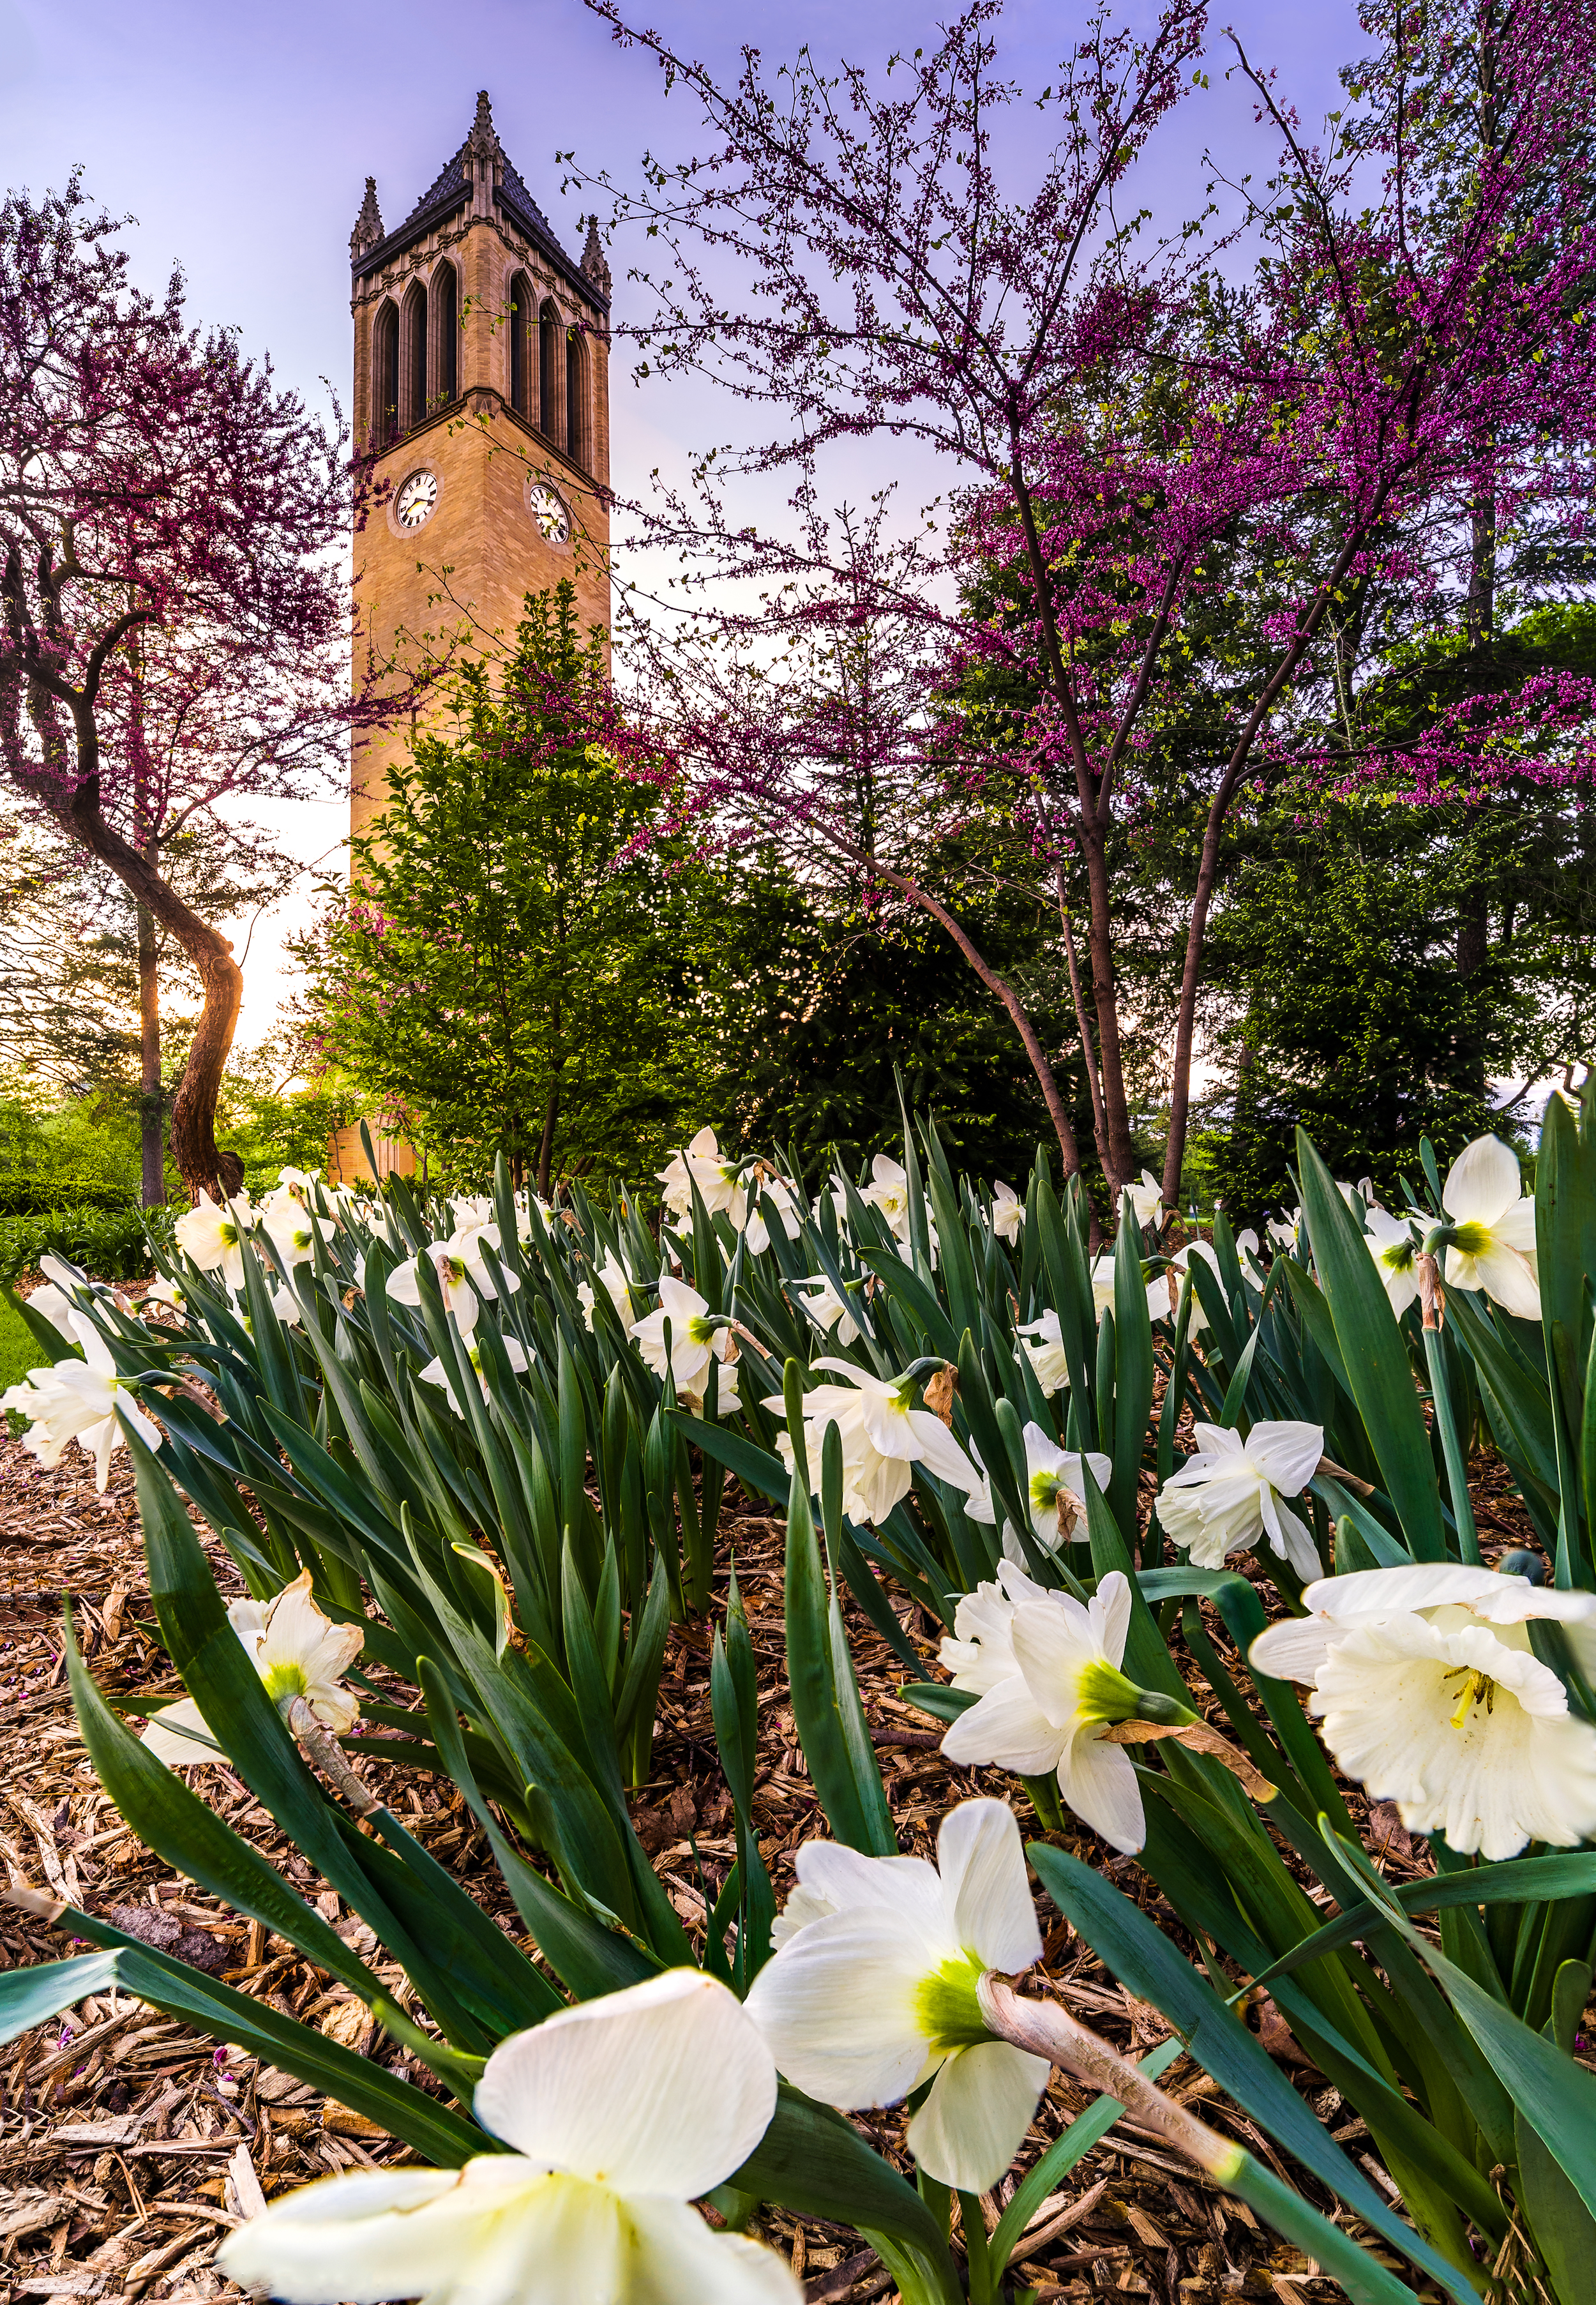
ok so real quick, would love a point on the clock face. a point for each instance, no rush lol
(416, 497)
(549, 509)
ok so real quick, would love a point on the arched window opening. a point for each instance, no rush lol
(576, 396)
(551, 394)
(385, 375)
(412, 350)
(445, 333)
(522, 308)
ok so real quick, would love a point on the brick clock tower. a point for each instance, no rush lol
(481, 384)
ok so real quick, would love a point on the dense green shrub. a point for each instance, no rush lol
(111, 1243)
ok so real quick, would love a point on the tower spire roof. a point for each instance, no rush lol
(481, 155)
(367, 224)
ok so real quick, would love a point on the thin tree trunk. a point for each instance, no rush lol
(1115, 1149)
(1097, 1121)
(1003, 990)
(546, 1149)
(150, 1130)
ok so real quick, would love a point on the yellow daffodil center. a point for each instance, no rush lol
(1478, 1688)
(1399, 1257)
(454, 1267)
(284, 1680)
(1472, 1239)
(947, 2008)
(1103, 1693)
(227, 1234)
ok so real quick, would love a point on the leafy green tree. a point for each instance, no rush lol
(520, 959)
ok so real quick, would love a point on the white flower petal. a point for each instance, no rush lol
(983, 1884)
(837, 2006)
(679, 2261)
(1482, 1182)
(1098, 1782)
(974, 2121)
(665, 2087)
(1005, 1728)
(165, 1739)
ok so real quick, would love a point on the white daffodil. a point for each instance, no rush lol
(1043, 1342)
(1049, 1673)
(210, 1234)
(1491, 1234)
(78, 1401)
(696, 1396)
(54, 1305)
(1008, 1213)
(1283, 1230)
(1056, 1487)
(1102, 1289)
(291, 1231)
(1147, 1201)
(1179, 1266)
(168, 1293)
(1229, 1496)
(284, 1305)
(459, 1298)
(1431, 1696)
(619, 2113)
(866, 2001)
(300, 1182)
(435, 1373)
(883, 1438)
(695, 1334)
(296, 1650)
(826, 1309)
(471, 1209)
(702, 1165)
(1390, 1243)
(616, 1284)
(888, 1191)
(747, 1215)
(467, 1242)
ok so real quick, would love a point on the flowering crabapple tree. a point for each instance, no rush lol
(173, 611)
(1147, 443)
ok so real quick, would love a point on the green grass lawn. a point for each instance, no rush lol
(19, 1351)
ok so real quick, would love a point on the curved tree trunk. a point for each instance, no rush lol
(204, 1167)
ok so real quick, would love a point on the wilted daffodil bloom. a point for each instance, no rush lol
(210, 1234)
(883, 1435)
(1229, 1496)
(78, 1401)
(1008, 1213)
(619, 2113)
(1392, 1246)
(695, 1334)
(1430, 1695)
(874, 1992)
(296, 1650)
(1490, 1235)
(1049, 1673)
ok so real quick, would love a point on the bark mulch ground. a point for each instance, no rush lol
(129, 2146)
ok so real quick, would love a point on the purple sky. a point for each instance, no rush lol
(240, 138)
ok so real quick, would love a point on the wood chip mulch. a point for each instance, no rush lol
(129, 2146)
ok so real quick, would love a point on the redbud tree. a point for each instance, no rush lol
(173, 608)
(1268, 420)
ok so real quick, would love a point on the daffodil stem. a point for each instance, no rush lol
(1456, 1464)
